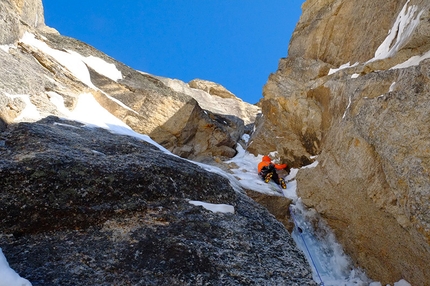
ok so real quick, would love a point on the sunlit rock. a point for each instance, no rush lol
(354, 92)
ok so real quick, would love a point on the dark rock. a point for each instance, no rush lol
(83, 206)
(3, 126)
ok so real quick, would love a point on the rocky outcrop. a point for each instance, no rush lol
(354, 91)
(212, 88)
(215, 98)
(84, 206)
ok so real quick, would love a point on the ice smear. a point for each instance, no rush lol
(330, 265)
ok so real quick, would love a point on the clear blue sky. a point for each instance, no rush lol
(236, 43)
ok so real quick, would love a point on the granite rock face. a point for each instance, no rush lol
(84, 206)
(372, 176)
(354, 91)
(38, 66)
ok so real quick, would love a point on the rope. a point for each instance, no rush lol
(307, 249)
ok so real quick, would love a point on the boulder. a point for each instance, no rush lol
(84, 206)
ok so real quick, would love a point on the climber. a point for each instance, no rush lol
(267, 171)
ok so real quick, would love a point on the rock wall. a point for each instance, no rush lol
(354, 91)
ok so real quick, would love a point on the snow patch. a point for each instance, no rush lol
(216, 208)
(246, 172)
(119, 102)
(6, 48)
(8, 276)
(349, 105)
(100, 66)
(58, 101)
(30, 111)
(89, 112)
(72, 62)
(406, 22)
(77, 64)
(413, 61)
(65, 125)
(245, 138)
(310, 166)
(344, 66)
(402, 282)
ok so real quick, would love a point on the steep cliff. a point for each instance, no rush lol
(354, 90)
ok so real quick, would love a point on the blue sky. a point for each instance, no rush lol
(236, 43)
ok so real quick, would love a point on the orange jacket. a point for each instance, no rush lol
(266, 161)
